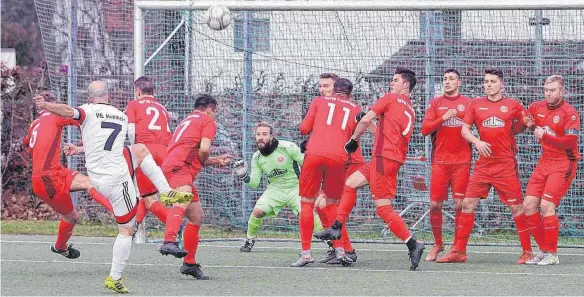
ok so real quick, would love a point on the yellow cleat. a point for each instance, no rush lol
(173, 196)
(115, 285)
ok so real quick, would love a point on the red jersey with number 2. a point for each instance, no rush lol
(186, 140)
(330, 122)
(395, 126)
(151, 120)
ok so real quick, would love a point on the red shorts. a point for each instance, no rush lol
(354, 167)
(53, 188)
(145, 186)
(181, 175)
(319, 170)
(499, 173)
(551, 179)
(382, 177)
(444, 175)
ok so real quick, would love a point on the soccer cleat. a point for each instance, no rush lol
(247, 246)
(433, 254)
(330, 255)
(329, 243)
(352, 255)
(453, 256)
(329, 234)
(69, 253)
(172, 196)
(115, 285)
(416, 255)
(549, 259)
(303, 261)
(524, 258)
(193, 270)
(171, 248)
(537, 256)
(343, 260)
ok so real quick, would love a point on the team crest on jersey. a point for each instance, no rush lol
(493, 122)
(280, 159)
(573, 118)
(556, 119)
(453, 122)
(460, 107)
(504, 108)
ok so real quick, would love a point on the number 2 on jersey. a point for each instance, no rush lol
(152, 125)
(329, 119)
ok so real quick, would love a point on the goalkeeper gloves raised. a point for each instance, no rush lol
(240, 168)
(360, 116)
(351, 146)
(303, 146)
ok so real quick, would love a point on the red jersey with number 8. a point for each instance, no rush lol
(395, 126)
(330, 122)
(186, 140)
(151, 120)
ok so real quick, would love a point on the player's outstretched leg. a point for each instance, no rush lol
(195, 216)
(253, 226)
(66, 226)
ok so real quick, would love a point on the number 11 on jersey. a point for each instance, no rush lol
(329, 119)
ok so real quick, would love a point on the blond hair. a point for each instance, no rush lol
(555, 78)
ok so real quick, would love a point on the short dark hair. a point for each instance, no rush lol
(494, 71)
(266, 125)
(145, 84)
(48, 96)
(452, 70)
(343, 86)
(332, 76)
(203, 101)
(408, 75)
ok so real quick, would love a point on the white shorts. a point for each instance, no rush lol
(124, 200)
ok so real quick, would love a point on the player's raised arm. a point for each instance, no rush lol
(62, 110)
(253, 178)
(308, 121)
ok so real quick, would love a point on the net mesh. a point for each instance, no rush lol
(265, 67)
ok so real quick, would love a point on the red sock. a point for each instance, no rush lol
(141, 212)
(523, 232)
(464, 229)
(346, 239)
(394, 222)
(100, 199)
(191, 242)
(159, 210)
(436, 225)
(551, 226)
(63, 235)
(173, 221)
(326, 223)
(535, 224)
(347, 203)
(457, 214)
(330, 212)
(306, 224)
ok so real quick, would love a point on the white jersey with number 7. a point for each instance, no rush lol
(104, 129)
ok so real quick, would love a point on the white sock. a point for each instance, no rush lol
(121, 253)
(154, 173)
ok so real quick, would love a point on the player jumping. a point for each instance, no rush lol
(558, 126)
(396, 120)
(274, 158)
(451, 154)
(495, 116)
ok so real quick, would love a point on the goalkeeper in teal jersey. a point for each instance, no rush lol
(274, 158)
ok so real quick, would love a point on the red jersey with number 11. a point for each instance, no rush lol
(186, 140)
(151, 120)
(330, 122)
(395, 126)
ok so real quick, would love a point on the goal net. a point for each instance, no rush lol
(265, 67)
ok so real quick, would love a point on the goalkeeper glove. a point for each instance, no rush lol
(360, 116)
(303, 146)
(240, 168)
(351, 146)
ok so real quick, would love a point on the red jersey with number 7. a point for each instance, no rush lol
(186, 140)
(330, 122)
(394, 128)
(151, 120)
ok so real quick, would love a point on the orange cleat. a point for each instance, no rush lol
(454, 256)
(524, 257)
(433, 254)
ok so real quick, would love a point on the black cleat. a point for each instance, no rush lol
(172, 248)
(343, 260)
(330, 244)
(193, 270)
(330, 255)
(69, 253)
(416, 255)
(352, 255)
(247, 246)
(329, 234)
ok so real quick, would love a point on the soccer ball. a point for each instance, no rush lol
(218, 17)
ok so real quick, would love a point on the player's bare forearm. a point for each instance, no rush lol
(467, 134)
(363, 124)
(62, 110)
(204, 156)
(372, 128)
